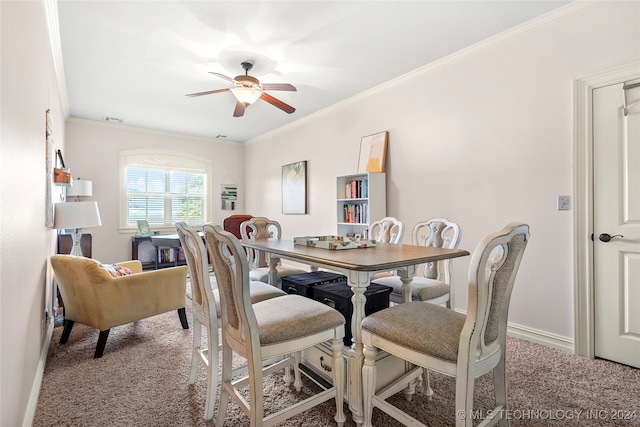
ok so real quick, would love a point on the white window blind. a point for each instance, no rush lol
(163, 188)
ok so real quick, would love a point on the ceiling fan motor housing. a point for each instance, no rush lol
(247, 81)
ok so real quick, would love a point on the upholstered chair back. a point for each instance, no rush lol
(195, 253)
(492, 273)
(232, 275)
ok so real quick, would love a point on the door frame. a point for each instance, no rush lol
(584, 322)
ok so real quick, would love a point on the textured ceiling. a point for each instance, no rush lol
(136, 60)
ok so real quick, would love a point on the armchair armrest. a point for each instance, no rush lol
(129, 298)
(134, 265)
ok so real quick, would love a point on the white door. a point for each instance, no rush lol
(616, 167)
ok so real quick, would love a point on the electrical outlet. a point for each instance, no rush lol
(564, 203)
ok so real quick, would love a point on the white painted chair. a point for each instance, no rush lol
(262, 228)
(436, 338)
(386, 230)
(206, 310)
(275, 327)
(433, 283)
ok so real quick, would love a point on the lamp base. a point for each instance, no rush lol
(76, 250)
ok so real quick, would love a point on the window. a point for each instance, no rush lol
(163, 188)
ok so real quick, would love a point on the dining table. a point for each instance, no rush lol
(358, 265)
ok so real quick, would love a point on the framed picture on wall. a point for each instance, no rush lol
(373, 152)
(294, 188)
(229, 196)
(48, 221)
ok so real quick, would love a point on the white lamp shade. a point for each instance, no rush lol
(76, 215)
(246, 95)
(80, 188)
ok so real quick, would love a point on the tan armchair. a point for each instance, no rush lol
(92, 296)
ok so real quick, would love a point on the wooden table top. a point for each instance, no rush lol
(383, 256)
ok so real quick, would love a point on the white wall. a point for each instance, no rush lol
(483, 138)
(93, 153)
(28, 89)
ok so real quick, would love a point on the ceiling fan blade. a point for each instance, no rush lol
(276, 102)
(279, 86)
(239, 111)
(209, 92)
(222, 76)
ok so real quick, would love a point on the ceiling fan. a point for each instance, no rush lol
(248, 89)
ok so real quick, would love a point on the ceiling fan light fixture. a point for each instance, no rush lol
(246, 95)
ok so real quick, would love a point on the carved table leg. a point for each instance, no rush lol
(358, 282)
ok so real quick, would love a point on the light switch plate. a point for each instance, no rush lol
(564, 203)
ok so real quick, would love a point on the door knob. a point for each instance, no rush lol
(604, 237)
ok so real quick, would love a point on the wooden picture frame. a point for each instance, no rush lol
(48, 221)
(294, 188)
(373, 152)
(143, 227)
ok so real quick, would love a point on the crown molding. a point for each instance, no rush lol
(149, 130)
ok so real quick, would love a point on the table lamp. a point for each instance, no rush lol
(80, 188)
(75, 216)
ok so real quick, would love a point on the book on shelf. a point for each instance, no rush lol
(357, 213)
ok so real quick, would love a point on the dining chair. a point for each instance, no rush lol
(464, 346)
(261, 228)
(232, 224)
(276, 327)
(433, 282)
(386, 230)
(207, 311)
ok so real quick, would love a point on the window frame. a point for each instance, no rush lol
(168, 160)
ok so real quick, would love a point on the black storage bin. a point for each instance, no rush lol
(304, 283)
(338, 295)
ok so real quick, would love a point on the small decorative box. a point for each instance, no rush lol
(334, 243)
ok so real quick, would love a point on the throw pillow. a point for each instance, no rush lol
(117, 270)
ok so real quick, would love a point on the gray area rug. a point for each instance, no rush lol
(142, 381)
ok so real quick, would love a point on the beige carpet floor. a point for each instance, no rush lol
(142, 381)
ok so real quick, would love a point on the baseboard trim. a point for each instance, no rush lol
(537, 336)
(30, 413)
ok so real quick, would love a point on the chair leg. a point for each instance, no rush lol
(411, 387)
(338, 379)
(297, 383)
(427, 390)
(227, 355)
(287, 373)
(368, 383)
(465, 382)
(195, 350)
(212, 372)
(183, 318)
(102, 341)
(256, 391)
(68, 325)
(500, 390)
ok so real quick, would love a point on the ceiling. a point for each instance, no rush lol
(136, 60)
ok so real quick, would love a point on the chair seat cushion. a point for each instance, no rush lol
(262, 274)
(259, 291)
(426, 328)
(422, 289)
(291, 317)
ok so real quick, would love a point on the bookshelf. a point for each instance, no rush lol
(360, 199)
